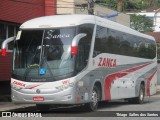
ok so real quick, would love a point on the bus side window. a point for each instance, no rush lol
(84, 46)
(81, 60)
(100, 45)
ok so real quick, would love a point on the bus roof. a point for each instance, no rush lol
(56, 21)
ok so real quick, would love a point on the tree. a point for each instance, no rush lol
(130, 5)
(119, 5)
(141, 23)
(109, 3)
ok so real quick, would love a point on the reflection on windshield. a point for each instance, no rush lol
(51, 51)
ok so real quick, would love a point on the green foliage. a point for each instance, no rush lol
(141, 23)
(131, 4)
(109, 3)
(145, 51)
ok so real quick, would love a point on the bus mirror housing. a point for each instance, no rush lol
(74, 50)
(4, 45)
(4, 52)
(76, 39)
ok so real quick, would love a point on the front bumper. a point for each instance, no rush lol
(27, 96)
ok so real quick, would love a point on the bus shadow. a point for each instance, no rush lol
(79, 111)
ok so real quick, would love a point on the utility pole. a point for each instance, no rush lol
(119, 5)
(91, 7)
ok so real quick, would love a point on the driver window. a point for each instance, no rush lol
(84, 46)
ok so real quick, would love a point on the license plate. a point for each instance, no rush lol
(38, 98)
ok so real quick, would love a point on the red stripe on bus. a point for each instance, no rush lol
(148, 83)
(112, 77)
(35, 86)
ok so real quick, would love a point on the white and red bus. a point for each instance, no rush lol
(81, 59)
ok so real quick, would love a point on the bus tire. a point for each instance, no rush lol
(43, 107)
(93, 105)
(140, 98)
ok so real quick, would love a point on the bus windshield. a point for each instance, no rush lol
(43, 55)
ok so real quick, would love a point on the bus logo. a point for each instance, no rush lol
(19, 84)
(107, 62)
(38, 91)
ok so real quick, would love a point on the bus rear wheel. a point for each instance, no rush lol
(95, 96)
(140, 98)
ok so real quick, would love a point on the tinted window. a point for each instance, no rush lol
(116, 42)
(44, 50)
(84, 46)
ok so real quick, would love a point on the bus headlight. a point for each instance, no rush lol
(16, 87)
(65, 86)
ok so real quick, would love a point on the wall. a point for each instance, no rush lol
(74, 7)
(122, 18)
(50, 7)
(5, 67)
(65, 6)
(19, 12)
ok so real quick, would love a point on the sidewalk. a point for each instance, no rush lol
(9, 106)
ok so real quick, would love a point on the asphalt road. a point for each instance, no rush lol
(108, 109)
(116, 109)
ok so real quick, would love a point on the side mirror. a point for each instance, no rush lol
(5, 43)
(76, 39)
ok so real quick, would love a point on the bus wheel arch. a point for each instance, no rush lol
(99, 86)
(141, 93)
(96, 95)
(140, 98)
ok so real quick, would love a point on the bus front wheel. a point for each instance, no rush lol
(95, 95)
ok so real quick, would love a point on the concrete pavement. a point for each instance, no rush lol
(9, 106)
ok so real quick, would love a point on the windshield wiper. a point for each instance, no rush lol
(31, 66)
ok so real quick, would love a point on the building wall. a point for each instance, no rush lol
(50, 7)
(16, 12)
(19, 12)
(98, 10)
(121, 18)
(157, 22)
(5, 67)
(65, 7)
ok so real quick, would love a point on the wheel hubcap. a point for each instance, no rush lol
(94, 98)
(141, 95)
